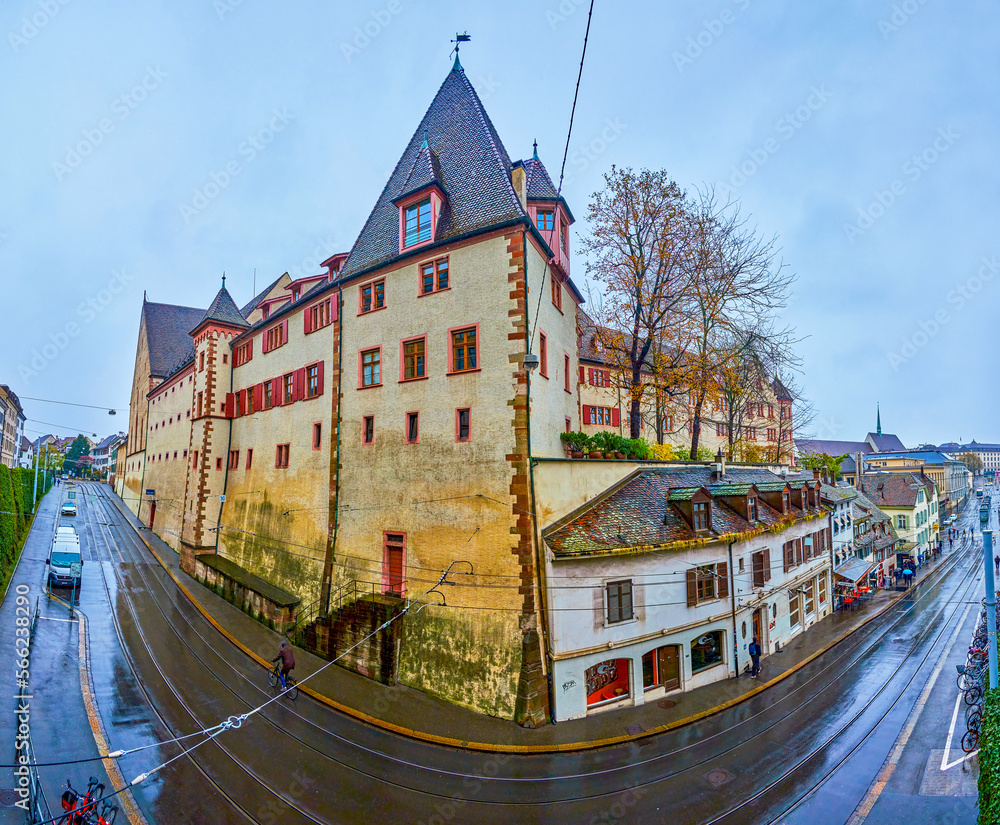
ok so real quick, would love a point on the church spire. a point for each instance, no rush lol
(878, 419)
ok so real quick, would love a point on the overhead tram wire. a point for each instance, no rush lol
(562, 169)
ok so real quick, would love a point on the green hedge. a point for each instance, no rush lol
(8, 517)
(989, 760)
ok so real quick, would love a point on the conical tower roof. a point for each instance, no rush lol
(456, 146)
(223, 310)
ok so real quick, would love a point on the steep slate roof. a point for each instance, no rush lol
(425, 172)
(105, 442)
(893, 489)
(636, 512)
(474, 169)
(834, 448)
(168, 329)
(885, 442)
(223, 310)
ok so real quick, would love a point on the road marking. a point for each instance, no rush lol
(945, 764)
(884, 775)
(55, 619)
(125, 798)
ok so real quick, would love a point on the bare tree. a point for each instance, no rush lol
(735, 287)
(635, 253)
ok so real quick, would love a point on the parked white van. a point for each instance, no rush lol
(65, 553)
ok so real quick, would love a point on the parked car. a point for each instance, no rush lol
(64, 554)
(68, 508)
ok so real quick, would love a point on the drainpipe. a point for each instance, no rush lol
(327, 583)
(732, 601)
(539, 551)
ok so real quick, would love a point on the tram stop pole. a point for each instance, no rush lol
(991, 598)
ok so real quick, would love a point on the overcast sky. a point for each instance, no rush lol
(863, 134)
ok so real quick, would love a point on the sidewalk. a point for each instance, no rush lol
(416, 714)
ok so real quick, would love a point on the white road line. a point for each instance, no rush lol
(945, 764)
(862, 811)
(55, 619)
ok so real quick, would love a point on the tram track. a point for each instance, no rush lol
(622, 770)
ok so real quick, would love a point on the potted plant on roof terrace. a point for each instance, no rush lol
(577, 443)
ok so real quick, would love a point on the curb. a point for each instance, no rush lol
(490, 747)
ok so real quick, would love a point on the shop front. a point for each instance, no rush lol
(607, 682)
(851, 582)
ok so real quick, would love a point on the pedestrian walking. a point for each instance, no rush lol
(755, 658)
(996, 561)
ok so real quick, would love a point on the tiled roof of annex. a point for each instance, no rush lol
(643, 511)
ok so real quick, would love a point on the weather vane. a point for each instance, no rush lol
(465, 37)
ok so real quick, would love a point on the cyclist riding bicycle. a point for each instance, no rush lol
(287, 661)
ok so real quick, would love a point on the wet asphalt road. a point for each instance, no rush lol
(816, 740)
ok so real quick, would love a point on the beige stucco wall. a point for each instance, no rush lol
(168, 434)
(275, 520)
(137, 427)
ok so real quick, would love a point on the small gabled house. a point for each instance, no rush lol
(659, 583)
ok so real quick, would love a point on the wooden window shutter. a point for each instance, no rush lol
(284, 331)
(300, 384)
(798, 551)
(607, 378)
(583, 376)
(307, 320)
(590, 375)
(722, 579)
(258, 397)
(586, 413)
(319, 378)
(616, 417)
(787, 552)
(277, 391)
(767, 564)
(229, 405)
(692, 586)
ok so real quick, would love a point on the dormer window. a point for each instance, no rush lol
(545, 220)
(785, 502)
(265, 312)
(417, 226)
(805, 497)
(702, 516)
(751, 508)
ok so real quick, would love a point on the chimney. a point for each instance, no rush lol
(519, 180)
(816, 475)
(720, 464)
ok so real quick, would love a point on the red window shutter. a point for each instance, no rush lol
(243, 402)
(229, 405)
(284, 331)
(300, 384)
(583, 376)
(590, 375)
(607, 378)
(258, 397)
(307, 320)
(586, 413)
(692, 587)
(616, 417)
(722, 579)
(278, 391)
(319, 378)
